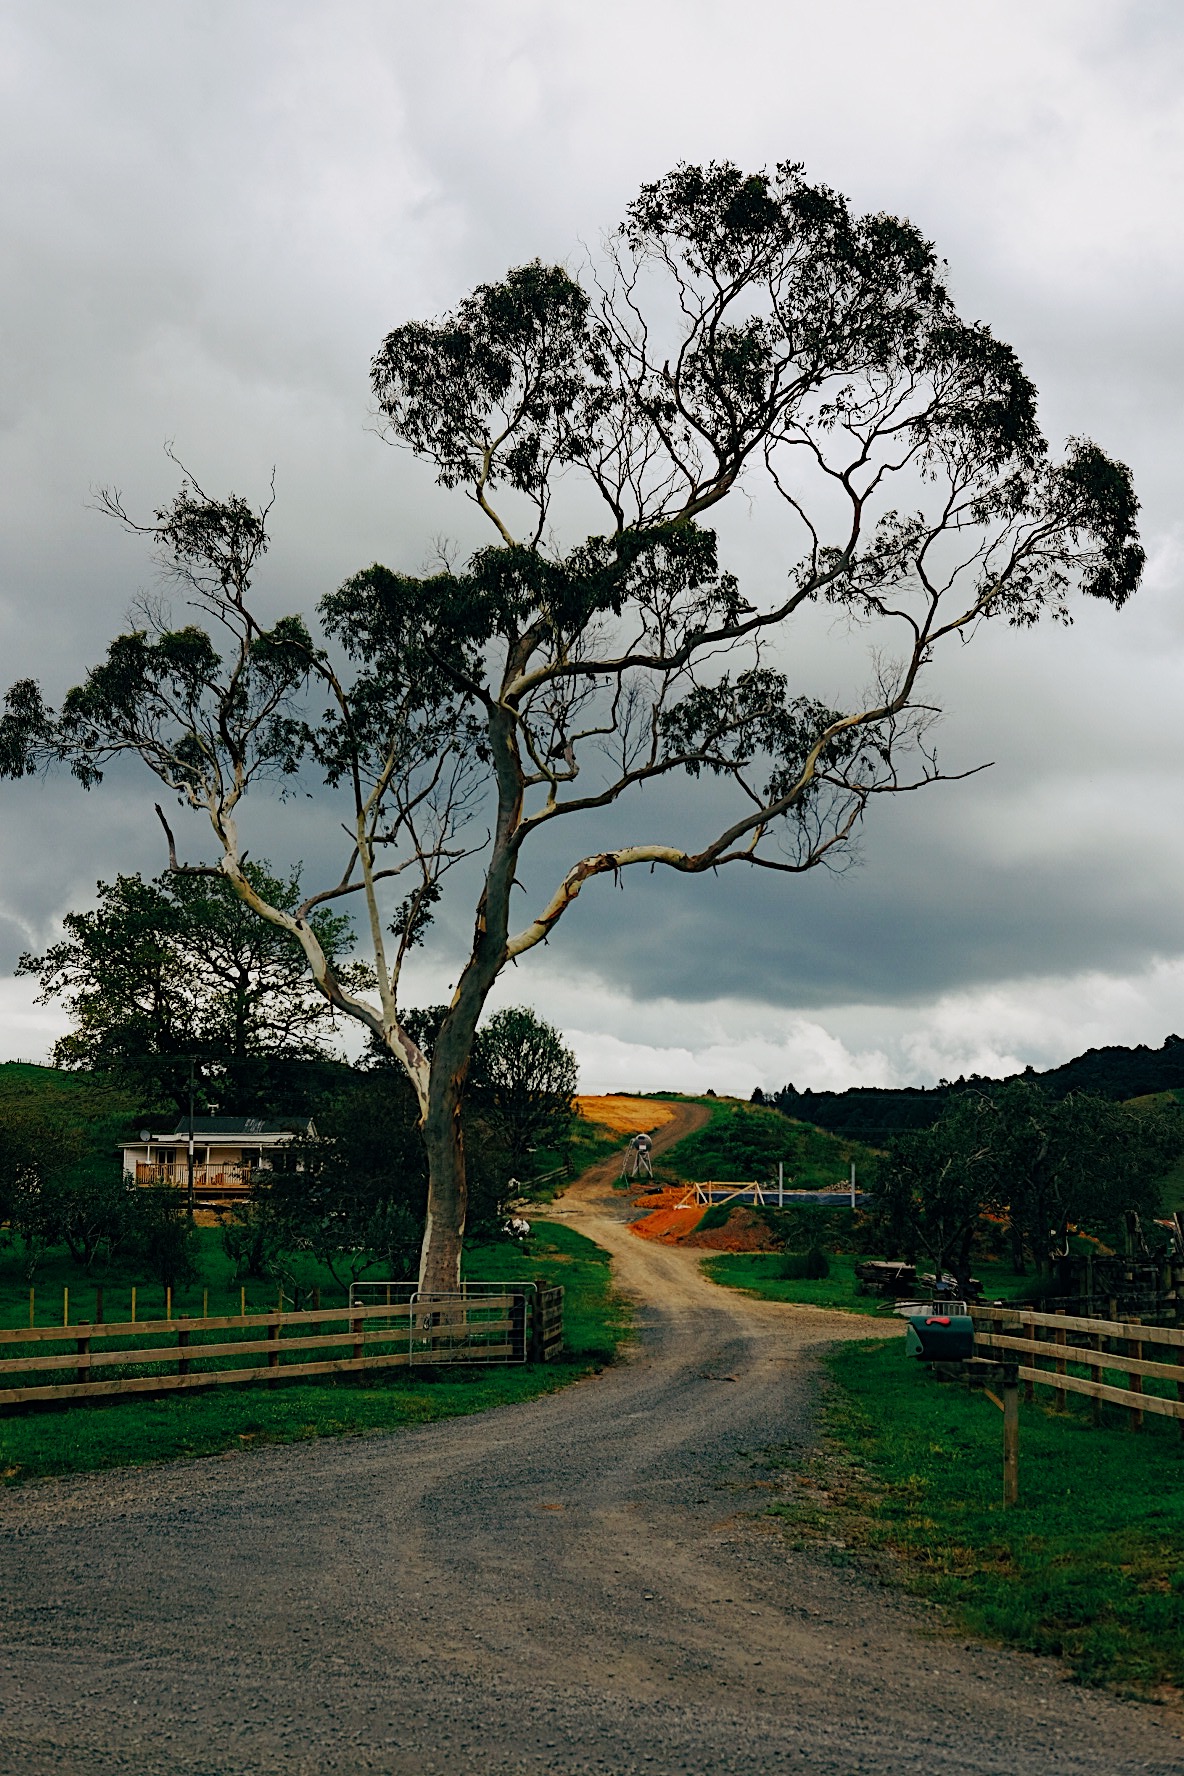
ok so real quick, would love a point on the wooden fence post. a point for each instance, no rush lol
(1095, 1375)
(1029, 1329)
(1134, 1348)
(1059, 1395)
(273, 1344)
(83, 1372)
(355, 1327)
(1011, 1434)
(182, 1344)
(538, 1348)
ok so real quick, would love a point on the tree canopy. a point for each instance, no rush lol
(742, 330)
(1040, 1164)
(523, 1078)
(164, 972)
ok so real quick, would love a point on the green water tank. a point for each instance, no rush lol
(940, 1338)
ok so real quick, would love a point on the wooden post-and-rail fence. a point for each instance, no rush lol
(90, 1359)
(1074, 1355)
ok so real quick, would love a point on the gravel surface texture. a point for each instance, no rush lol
(584, 1583)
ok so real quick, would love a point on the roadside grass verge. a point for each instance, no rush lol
(1088, 1567)
(589, 1143)
(40, 1442)
(757, 1273)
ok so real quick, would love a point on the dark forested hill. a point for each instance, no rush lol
(872, 1113)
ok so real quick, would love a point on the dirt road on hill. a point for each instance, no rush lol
(584, 1583)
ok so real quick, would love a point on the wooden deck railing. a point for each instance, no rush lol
(221, 1180)
(90, 1360)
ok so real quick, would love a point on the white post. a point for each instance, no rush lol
(780, 1183)
(852, 1183)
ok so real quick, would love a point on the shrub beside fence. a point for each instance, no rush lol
(90, 1360)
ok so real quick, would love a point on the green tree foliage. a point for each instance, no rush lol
(745, 329)
(523, 1082)
(180, 967)
(59, 1172)
(1080, 1161)
(165, 1237)
(1043, 1164)
(355, 1196)
(937, 1184)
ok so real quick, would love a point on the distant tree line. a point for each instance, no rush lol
(874, 1114)
(1037, 1166)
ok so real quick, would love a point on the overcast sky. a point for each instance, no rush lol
(212, 213)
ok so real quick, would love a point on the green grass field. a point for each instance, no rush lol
(758, 1274)
(63, 1440)
(1088, 1567)
(589, 1143)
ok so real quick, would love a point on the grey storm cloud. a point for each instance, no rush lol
(212, 214)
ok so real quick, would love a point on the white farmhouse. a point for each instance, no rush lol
(227, 1152)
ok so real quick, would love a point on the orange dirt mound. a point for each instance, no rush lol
(671, 1225)
(674, 1226)
(625, 1116)
(742, 1232)
(664, 1219)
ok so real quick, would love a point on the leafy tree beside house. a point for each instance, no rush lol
(523, 1081)
(355, 1196)
(180, 968)
(747, 334)
(59, 1173)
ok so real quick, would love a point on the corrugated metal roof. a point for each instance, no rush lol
(207, 1126)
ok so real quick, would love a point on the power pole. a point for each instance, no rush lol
(190, 1192)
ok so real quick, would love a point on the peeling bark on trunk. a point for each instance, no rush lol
(444, 1227)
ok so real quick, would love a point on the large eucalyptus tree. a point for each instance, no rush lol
(740, 331)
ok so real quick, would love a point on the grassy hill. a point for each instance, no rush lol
(66, 1101)
(743, 1143)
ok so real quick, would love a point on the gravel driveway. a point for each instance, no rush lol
(582, 1583)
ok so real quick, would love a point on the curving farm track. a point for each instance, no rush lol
(580, 1584)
